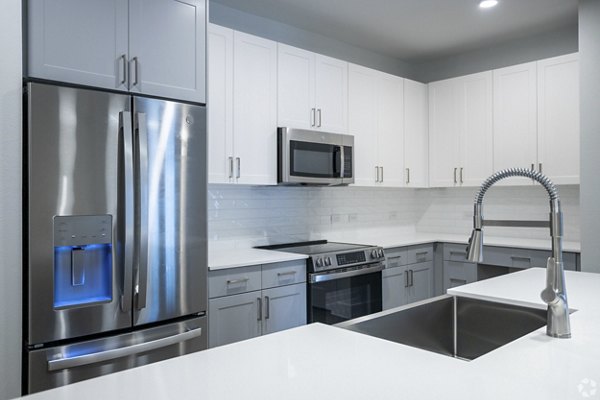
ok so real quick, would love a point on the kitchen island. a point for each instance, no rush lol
(325, 362)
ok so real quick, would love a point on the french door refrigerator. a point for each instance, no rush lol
(115, 242)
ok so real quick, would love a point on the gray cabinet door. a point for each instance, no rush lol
(420, 282)
(78, 41)
(284, 307)
(394, 287)
(167, 48)
(234, 318)
(458, 273)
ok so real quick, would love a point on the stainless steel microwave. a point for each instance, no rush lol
(307, 157)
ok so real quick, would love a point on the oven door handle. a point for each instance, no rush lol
(324, 277)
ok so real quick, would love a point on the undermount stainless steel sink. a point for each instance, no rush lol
(454, 326)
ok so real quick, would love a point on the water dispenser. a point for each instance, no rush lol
(82, 260)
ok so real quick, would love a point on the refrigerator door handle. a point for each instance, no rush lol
(141, 133)
(126, 221)
(93, 358)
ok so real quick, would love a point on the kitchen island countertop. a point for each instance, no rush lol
(325, 362)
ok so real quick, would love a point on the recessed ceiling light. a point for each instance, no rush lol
(488, 3)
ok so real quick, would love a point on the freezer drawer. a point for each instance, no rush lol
(57, 366)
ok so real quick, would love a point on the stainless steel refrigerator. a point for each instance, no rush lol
(115, 222)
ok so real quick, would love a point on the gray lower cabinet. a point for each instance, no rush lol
(256, 300)
(409, 275)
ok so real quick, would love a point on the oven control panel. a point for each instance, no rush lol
(323, 262)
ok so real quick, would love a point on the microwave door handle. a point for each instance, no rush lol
(142, 186)
(126, 216)
(341, 161)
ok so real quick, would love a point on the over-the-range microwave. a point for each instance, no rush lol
(306, 157)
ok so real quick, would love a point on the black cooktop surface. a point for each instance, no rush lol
(315, 247)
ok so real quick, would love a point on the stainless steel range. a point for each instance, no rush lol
(344, 280)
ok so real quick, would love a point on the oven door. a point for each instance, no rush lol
(307, 157)
(346, 294)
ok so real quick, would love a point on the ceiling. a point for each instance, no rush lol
(417, 30)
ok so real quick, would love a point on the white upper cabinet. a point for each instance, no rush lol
(416, 132)
(376, 108)
(558, 118)
(312, 90)
(220, 104)
(153, 47)
(255, 109)
(167, 48)
(515, 121)
(460, 115)
(79, 41)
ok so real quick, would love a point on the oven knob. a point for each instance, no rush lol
(381, 253)
(319, 262)
(374, 254)
(328, 261)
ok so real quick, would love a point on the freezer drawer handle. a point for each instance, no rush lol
(93, 358)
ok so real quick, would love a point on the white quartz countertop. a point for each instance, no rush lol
(234, 258)
(239, 257)
(325, 362)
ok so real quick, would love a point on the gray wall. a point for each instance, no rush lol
(551, 44)
(10, 199)
(589, 48)
(280, 32)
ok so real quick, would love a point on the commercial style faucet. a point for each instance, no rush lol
(555, 293)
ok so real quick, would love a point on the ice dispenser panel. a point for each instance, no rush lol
(82, 260)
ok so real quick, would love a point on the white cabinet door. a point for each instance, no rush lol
(515, 122)
(391, 130)
(394, 287)
(416, 131)
(420, 282)
(284, 307)
(331, 90)
(363, 107)
(476, 130)
(558, 118)
(234, 318)
(295, 87)
(167, 48)
(220, 104)
(444, 134)
(255, 109)
(79, 41)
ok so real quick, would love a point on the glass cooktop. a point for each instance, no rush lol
(315, 247)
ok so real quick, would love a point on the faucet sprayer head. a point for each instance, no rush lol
(475, 247)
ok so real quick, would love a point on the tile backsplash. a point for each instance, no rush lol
(241, 216)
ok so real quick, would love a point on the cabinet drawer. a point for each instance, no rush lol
(458, 273)
(234, 281)
(418, 254)
(455, 252)
(284, 273)
(523, 258)
(396, 257)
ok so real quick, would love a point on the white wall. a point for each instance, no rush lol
(589, 61)
(10, 199)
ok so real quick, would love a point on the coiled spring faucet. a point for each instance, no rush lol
(555, 293)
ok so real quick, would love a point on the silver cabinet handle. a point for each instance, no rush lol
(141, 137)
(127, 218)
(235, 281)
(239, 167)
(407, 175)
(124, 65)
(376, 174)
(286, 273)
(313, 118)
(540, 167)
(94, 358)
(259, 301)
(267, 307)
(532, 166)
(381, 175)
(406, 278)
(319, 114)
(461, 174)
(230, 167)
(135, 62)
(455, 175)
(412, 282)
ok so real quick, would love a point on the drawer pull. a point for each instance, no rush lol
(286, 273)
(234, 281)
